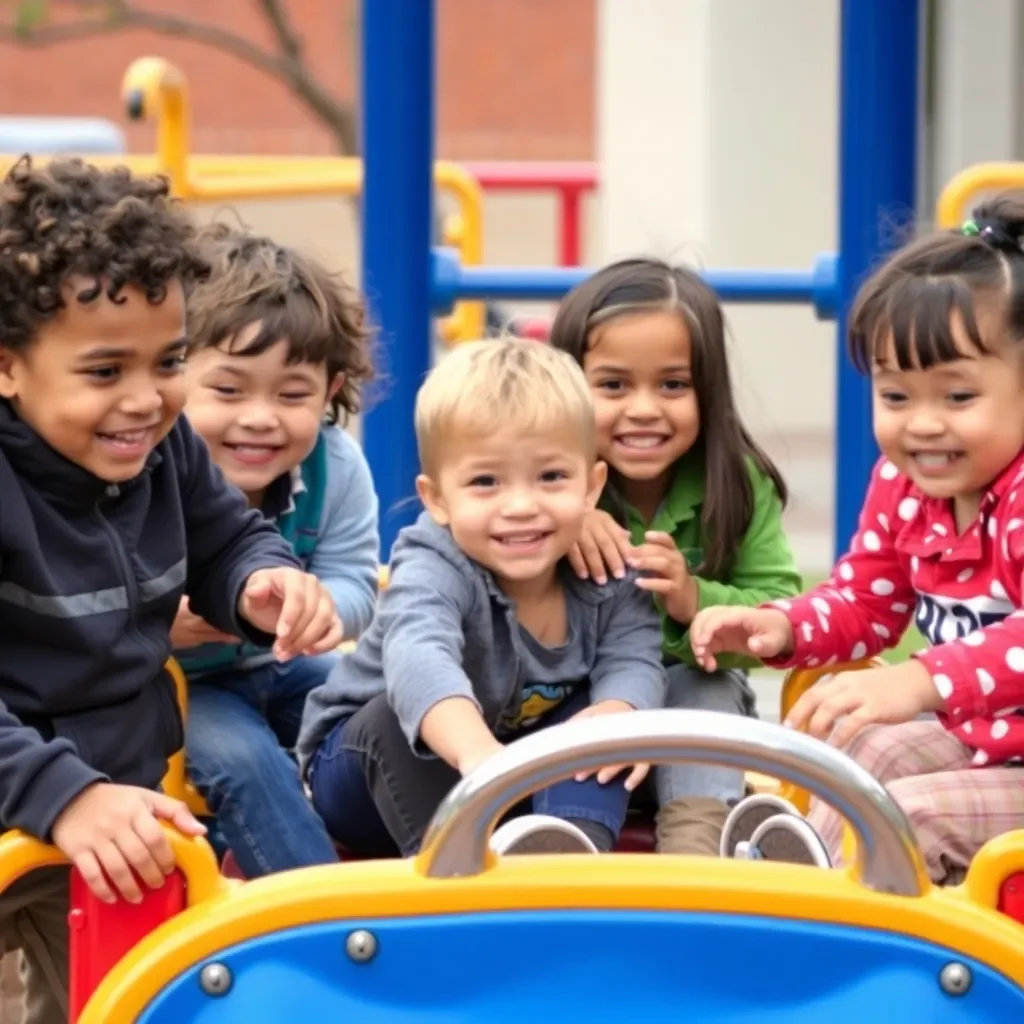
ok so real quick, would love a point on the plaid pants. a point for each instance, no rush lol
(954, 809)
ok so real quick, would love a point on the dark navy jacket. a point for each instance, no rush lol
(91, 576)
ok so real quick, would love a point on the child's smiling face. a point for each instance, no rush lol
(103, 381)
(259, 414)
(639, 368)
(954, 427)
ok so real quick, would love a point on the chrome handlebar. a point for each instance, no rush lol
(888, 857)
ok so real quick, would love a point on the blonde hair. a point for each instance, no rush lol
(483, 386)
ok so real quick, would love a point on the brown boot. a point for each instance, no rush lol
(691, 824)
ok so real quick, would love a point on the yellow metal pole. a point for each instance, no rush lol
(467, 320)
(154, 87)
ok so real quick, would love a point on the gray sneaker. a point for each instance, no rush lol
(789, 839)
(540, 833)
(747, 815)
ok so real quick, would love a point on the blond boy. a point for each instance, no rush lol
(485, 633)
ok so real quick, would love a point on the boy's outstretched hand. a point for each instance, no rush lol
(759, 632)
(112, 833)
(295, 607)
(638, 772)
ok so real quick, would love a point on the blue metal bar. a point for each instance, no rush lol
(877, 178)
(538, 283)
(451, 281)
(398, 153)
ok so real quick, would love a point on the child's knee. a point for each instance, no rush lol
(867, 746)
(916, 798)
(727, 692)
(375, 727)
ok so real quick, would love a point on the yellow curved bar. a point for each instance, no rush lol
(795, 684)
(344, 175)
(394, 889)
(468, 318)
(21, 853)
(175, 783)
(951, 209)
(992, 865)
(154, 87)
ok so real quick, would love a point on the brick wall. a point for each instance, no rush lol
(515, 78)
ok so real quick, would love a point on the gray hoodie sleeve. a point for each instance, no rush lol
(628, 665)
(422, 617)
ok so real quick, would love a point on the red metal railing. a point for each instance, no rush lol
(571, 180)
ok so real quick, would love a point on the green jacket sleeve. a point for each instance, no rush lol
(764, 570)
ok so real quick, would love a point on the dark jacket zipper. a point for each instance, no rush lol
(128, 577)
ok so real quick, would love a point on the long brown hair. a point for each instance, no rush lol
(637, 286)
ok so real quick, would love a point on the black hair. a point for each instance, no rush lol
(293, 298)
(69, 219)
(640, 285)
(922, 294)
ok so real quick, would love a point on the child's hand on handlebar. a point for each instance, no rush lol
(759, 632)
(606, 774)
(113, 832)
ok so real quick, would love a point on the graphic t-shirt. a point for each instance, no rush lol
(547, 675)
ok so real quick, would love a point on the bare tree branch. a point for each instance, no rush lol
(287, 38)
(288, 66)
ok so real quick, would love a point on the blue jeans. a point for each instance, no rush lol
(241, 729)
(377, 796)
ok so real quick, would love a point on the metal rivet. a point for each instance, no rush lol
(361, 946)
(955, 978)
(215, 980)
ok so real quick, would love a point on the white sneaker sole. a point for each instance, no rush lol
(540, 833)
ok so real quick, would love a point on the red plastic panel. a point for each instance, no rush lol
(100, 934)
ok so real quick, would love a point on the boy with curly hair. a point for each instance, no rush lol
(279, 356)
(110, 510)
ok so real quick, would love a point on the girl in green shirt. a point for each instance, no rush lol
(693, 505)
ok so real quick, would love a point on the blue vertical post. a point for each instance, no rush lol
(398, 155)
(878, 98)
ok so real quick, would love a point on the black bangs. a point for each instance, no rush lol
(922, 322)
(636, 293)
(300, 324)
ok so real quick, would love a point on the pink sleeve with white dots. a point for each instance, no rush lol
(866, 605)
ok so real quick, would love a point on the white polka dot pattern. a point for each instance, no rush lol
(910, 554)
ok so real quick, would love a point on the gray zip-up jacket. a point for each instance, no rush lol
(444, 629)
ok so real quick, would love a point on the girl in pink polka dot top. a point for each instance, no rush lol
(940, 330)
